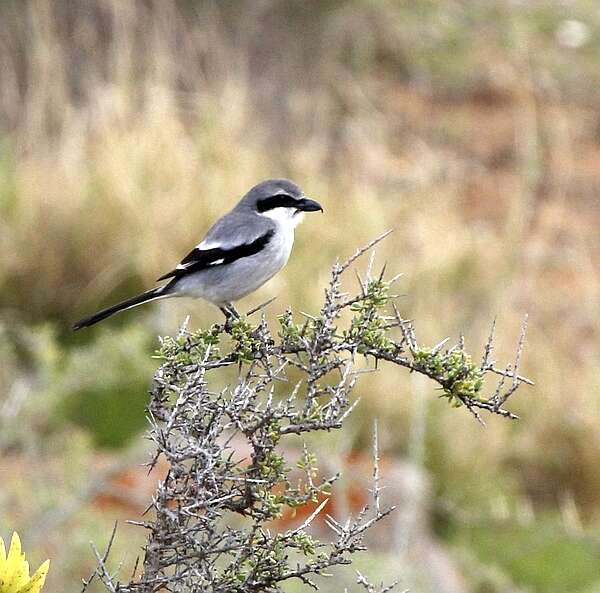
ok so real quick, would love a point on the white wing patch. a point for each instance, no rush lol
(206, 245)
(186, 265)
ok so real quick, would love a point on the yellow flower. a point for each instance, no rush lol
(14, 570)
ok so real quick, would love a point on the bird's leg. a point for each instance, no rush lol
(230, 311)
(230, 314)
(233, 311)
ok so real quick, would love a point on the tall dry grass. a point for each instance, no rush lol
(129, 126)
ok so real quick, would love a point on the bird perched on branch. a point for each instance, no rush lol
(240, 252)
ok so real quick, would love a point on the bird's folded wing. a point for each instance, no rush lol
(226, 242)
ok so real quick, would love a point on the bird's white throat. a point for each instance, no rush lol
(287, 217)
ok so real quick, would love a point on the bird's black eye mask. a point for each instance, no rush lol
(278, 201)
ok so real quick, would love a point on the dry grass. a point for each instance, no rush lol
(129, 126)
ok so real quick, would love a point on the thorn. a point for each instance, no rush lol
(261, 306)
(363, 288)
(439, 346)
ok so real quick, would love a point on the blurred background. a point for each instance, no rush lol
(472, 127)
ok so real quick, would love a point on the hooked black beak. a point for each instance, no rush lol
(308, 205)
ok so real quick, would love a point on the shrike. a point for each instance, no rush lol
(240, 252)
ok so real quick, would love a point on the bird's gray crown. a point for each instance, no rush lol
(271, 188)
(277, 193)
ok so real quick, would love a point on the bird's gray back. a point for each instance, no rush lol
(241, 225)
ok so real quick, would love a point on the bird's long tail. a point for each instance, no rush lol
(150, 295)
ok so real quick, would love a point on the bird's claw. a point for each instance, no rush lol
(230, 316)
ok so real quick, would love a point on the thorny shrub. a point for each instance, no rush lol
(209, 524)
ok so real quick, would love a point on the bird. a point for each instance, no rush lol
(241, 251)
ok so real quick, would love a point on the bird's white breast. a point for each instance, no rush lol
(286, 219)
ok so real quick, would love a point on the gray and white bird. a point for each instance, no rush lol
(241, 251)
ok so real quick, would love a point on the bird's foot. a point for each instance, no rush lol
(230, 316)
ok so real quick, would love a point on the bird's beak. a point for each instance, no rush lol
(308, 205)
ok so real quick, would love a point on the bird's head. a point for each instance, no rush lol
(281, 200)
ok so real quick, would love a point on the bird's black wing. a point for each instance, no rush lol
(202, 258)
